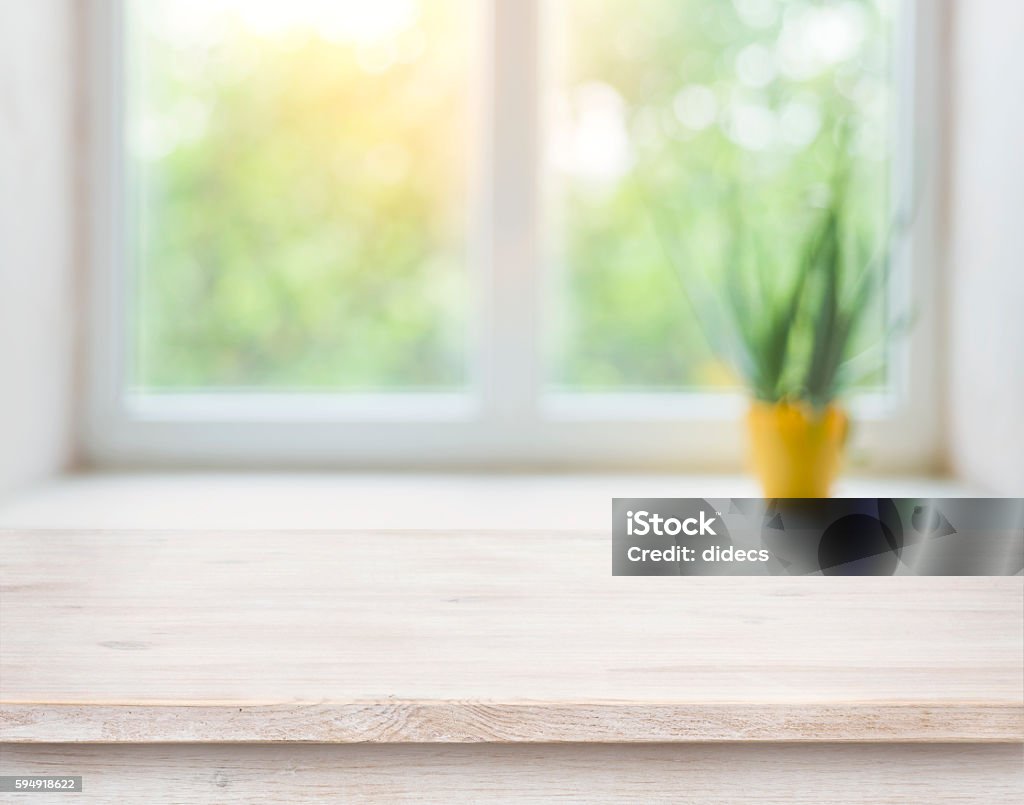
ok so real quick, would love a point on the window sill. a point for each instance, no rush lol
(382, 501)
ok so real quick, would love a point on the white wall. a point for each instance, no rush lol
(36, 234)
(986, 254)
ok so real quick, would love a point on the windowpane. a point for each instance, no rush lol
(690, 136)
(298, 193)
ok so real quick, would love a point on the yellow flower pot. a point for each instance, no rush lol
(795, 450)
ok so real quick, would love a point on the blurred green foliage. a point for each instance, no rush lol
(301, 203)
(729, 118)
(791, 335)
(301, 200)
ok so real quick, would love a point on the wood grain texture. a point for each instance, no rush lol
(482, 636)
(722, 773)
(510, 722)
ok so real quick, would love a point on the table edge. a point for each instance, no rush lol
(476, 721)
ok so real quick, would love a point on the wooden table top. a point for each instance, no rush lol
(418, 636)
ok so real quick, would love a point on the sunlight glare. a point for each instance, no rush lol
(359, 21)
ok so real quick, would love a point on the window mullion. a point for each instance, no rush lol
(509, 366)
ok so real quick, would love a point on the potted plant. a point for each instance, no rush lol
(792, 336)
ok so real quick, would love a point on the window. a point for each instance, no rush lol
(434, 231)
(299, 194)
(717, 121)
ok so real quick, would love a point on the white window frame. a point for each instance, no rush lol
(506, 419)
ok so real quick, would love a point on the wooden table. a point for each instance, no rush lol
(487, 666)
